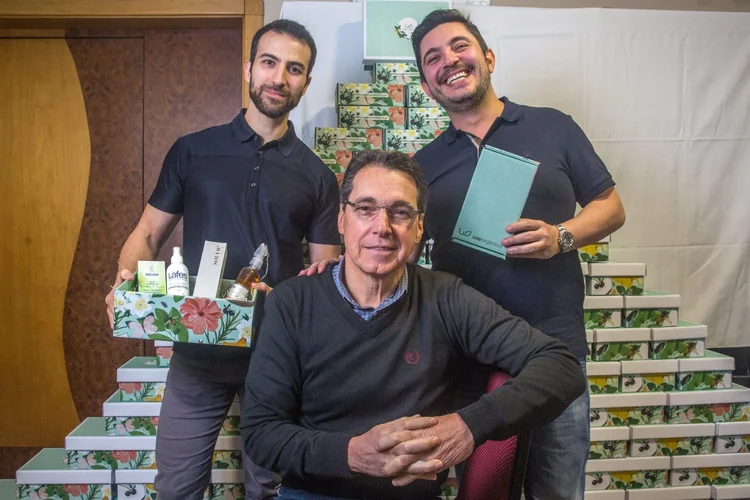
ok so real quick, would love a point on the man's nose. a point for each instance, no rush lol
(382, 222)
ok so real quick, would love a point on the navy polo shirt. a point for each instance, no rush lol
(231, 189)
(546, 293)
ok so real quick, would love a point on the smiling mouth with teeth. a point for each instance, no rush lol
(456, 77)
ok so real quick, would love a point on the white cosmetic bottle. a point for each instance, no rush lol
(178, 280)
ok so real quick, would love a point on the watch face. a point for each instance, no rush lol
(565, 240)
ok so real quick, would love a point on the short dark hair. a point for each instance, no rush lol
(389, 160)
(289, 28)
(435, 19)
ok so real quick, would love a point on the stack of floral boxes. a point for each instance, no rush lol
(392, 112)
(113, 456)
(666, 420)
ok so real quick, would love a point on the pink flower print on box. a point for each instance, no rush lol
(142, 330)
(200, 314)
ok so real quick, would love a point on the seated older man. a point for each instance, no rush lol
(350, 390)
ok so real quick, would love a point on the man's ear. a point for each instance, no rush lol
(309, 79)
(247, 68)
(489, 56)
(341, 218)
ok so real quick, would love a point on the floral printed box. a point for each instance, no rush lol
(651, 310)
(370, 94)
(142, 379)
(627, 473)
(142, 419)
(615, 279)
(163, 352)
(596, 252)
(367, 117)
(590, 343)
(622, 344)
(732, 468)
(714, 371)
(640, 408)
(731, 492)
(648, 375)
(139, 484)
(672, 493)
(729, 405)
(602, 312)
(337, 161)
(427, 118)
(416, 97)
(400, 73)
(732, 437)
(671, 440)
(175, 318)
(46, 476)
(603, 377)
(609, 442)
(331, 139)
(686, 340)
(410, 140)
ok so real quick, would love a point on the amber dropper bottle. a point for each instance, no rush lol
(248, 275)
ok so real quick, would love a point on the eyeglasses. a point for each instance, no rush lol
(397, 214)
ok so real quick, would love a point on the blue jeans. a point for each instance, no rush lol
(558, 454)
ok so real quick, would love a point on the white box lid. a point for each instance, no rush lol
(731, 491)
(711, 361)
(602, 368)
(737, 394)
(622, 335)
(733, 428)
(617, 269)
(628, 464)
(652, 300)
(649, 366)
(48, 467)
(142, 369)
(603, 302)
(113, 407)
(626, 400)
(671, 431)
(147, 476)
(604, 495)
(672, 493)
(589, 336)
(585, 268)
(610, 433)
(163, 343)
(714, 460)
(683, 330)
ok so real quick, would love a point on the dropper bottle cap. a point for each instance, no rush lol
(176, 255)
(259, 256)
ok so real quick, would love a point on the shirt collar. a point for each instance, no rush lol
(402, 287)
(244, 133)
(511, 113)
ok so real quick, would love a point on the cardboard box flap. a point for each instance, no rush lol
(622, 335)
(652, 300)
(737, 394)
(610, 433)
(617, 269)
(671, 431)
(733, 429)
(629, 400)
(675, 493)
(683, 330)
(628, 464)
(731, 491)
(649, 366)
(708, 461)
(48, 467)
(603, 302)
(710, 362)
(602, 368)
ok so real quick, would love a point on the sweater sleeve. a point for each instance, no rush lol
(547, 377)
(270, 426)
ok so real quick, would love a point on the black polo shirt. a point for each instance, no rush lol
(231, 189)
(546, 293)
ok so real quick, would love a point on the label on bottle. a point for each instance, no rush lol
(237, 292)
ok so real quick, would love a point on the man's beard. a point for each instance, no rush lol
(271, 109)
(468, 101)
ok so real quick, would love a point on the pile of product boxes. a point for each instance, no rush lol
(392, 112)
(666, 420)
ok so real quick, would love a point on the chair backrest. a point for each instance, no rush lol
(495, 470)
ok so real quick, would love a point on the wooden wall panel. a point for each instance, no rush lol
(192, 82)
(44, 164)
(111, 75)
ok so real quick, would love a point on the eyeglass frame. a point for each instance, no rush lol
(388, 210)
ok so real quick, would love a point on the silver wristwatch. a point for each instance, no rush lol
(564, 239)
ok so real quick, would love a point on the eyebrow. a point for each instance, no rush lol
(451, 42)
(290, 63)
(370, 199)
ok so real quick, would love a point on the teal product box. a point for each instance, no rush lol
(731, 468)
(596, 252)
(164, 352)
(730, 492)
(651, 310)
(621, 344)
(409, 141)
(672, 493)
(388, 26)
(648, 375)
(495, 198)
(384, 117)
(671, 440)
(608, 442)
(139, 484)
(602, 312)
(142, 379)
(627, 473)
(696, 407)
(686, 340)
(416, 97)
(612, 278)
(399, 73)
(732, 437)
(331, 139)
(370, 94)
(603, 377)
(639, 408)
(713, 371)
(604, 495)
(47, 476)
(427, 118)
(197, 320)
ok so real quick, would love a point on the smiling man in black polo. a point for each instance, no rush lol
(247, 182)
